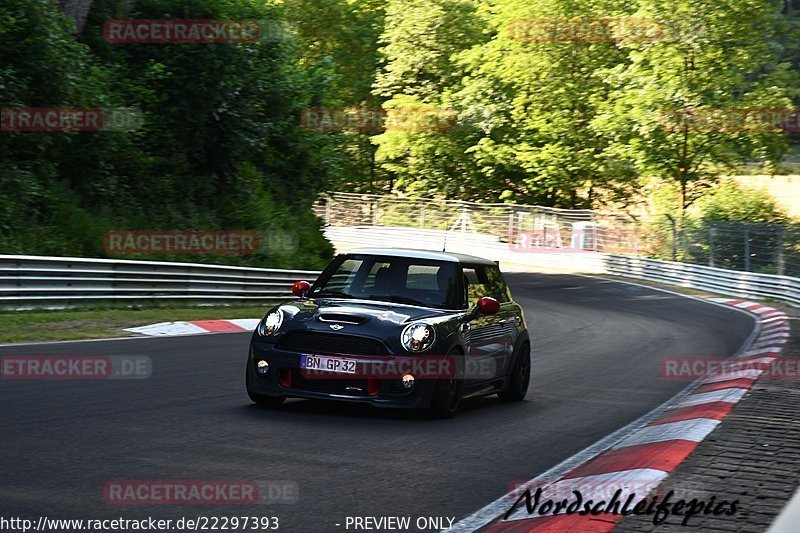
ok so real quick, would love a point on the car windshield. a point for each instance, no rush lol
(401, 280)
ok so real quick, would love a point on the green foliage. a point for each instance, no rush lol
(732, 226)
(575, 124)
(221, 145)
(563, 124)
(713, 56)
(732, 202)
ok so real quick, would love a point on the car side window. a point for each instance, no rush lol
(480, 281)
(475, 284)
(497, 285)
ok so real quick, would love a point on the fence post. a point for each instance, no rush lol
(747, 250)
(635, 235)
(711, 234)
(781, 255)
(674, 237)
(328, 211)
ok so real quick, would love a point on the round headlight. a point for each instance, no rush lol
(271, 323)
(262, 367)
(418, 337)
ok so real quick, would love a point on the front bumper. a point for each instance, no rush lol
(385, 391)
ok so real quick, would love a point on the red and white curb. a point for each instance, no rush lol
(636, 459)
(196, 327)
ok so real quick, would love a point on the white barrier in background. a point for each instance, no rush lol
(35, 282)
(718, 280)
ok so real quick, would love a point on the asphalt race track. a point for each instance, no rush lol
(596, 349)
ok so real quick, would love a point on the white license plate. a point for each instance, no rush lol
(328, 364)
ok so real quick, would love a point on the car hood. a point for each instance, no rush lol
(360, 311)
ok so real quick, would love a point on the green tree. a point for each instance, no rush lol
(418, 77)
(338, 41)
(718, 55)
(221, 146)
(539, 97)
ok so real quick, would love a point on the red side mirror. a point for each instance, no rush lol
(301, 288)
(488, 306)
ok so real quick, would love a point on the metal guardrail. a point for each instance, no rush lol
(32, 281)
(717, 280)
(36, 282)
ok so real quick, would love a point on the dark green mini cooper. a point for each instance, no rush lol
(394, 328)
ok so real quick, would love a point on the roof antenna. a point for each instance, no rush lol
(444, 247)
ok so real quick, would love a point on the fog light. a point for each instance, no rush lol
(408, 382)
(262, 367)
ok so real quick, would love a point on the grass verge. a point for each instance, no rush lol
(99, 323)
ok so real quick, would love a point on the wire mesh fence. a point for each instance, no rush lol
(763, 248)
(750, 247)
(524, 227)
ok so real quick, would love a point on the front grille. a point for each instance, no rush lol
(350, 387)
(330, 343)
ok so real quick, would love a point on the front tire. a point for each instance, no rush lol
(520, 377)
(447, 395)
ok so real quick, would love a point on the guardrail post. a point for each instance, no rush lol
(674, 237)
(635, 235)
(328, 211)
(781, 255)
(711, 245)
(747, 250)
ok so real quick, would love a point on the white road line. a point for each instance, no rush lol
(693, 430)
(751, 373)
(724, 395)
(769, 320)
(168, 328)
(762, 351)
(246, 323)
